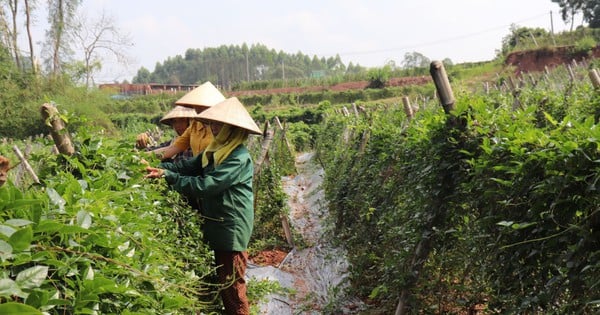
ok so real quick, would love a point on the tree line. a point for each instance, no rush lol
(227, 65)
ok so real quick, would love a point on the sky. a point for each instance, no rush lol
(368, 32)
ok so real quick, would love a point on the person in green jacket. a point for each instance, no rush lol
(221, 180)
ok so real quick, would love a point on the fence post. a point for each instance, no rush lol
(442, 85)
(264, 151)
(283, 132)
(593, 73)
(407, 108)
(59, 133)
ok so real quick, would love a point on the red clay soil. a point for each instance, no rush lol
(344, 86)
(269, 257)
(523, 61)
(537, 60)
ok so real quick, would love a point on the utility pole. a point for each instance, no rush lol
(247, 69)
(552, 28)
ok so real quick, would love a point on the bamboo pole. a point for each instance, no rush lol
(407, 108)
(442, 85)
(287, 142)
(515, 92)
(58, 130)
(264, 152)
(571, 73)
(595, 77)
(27, 166)
(287, 230)
(355, 109)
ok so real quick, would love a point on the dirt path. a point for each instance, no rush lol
(315, 270)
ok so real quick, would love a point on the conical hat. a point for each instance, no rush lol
(178, 112)
(232, 112)
(205, 95)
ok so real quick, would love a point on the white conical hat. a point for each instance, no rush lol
(178, 112)
(232, 112)
(205, 95)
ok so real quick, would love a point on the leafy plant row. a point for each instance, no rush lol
(491, 206)
(96, 238)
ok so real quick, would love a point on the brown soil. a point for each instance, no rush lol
(268, 257)
(537, 60)
(336, 88)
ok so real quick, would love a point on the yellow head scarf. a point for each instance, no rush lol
(223, 144)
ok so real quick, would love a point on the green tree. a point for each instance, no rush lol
(589, 9)
(415, 60)
(521, 37)
(61, 14)
(378, 77)
(143, 76)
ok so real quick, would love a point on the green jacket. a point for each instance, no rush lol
(225, 194)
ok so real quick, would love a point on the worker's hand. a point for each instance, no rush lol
(154, 172)
(142, 140)
(143, 161)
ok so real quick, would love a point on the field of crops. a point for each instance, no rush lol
(490, 207)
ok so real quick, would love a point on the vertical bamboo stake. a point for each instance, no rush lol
(264, 152)
(285, 224)
(442, 85)
(571, 73)
(58, 130)
(355, 109)
(345, 111)
(593, 73)
(287, 142)
(407, 108)
(515, 92)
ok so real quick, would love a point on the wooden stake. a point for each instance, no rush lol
(264, 151)
(407, 108)
(286, 229)
(571, 73)
(287, 142)
(58, 131)
(27, 166)
(593, 73)
(442, 85)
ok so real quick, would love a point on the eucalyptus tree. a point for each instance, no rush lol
(30, 6)
(589, 9)
(61, 15)
(8, 28)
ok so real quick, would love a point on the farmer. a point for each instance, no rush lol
(179, 118)
(197, 136)
(222, 177)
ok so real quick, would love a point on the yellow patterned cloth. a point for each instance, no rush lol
(228, 139)
(197, 137)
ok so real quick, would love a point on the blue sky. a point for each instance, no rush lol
(370, 33)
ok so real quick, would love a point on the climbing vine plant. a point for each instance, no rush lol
(504, 200)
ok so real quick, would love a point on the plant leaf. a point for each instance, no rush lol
(32, 277)
(12, 308)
